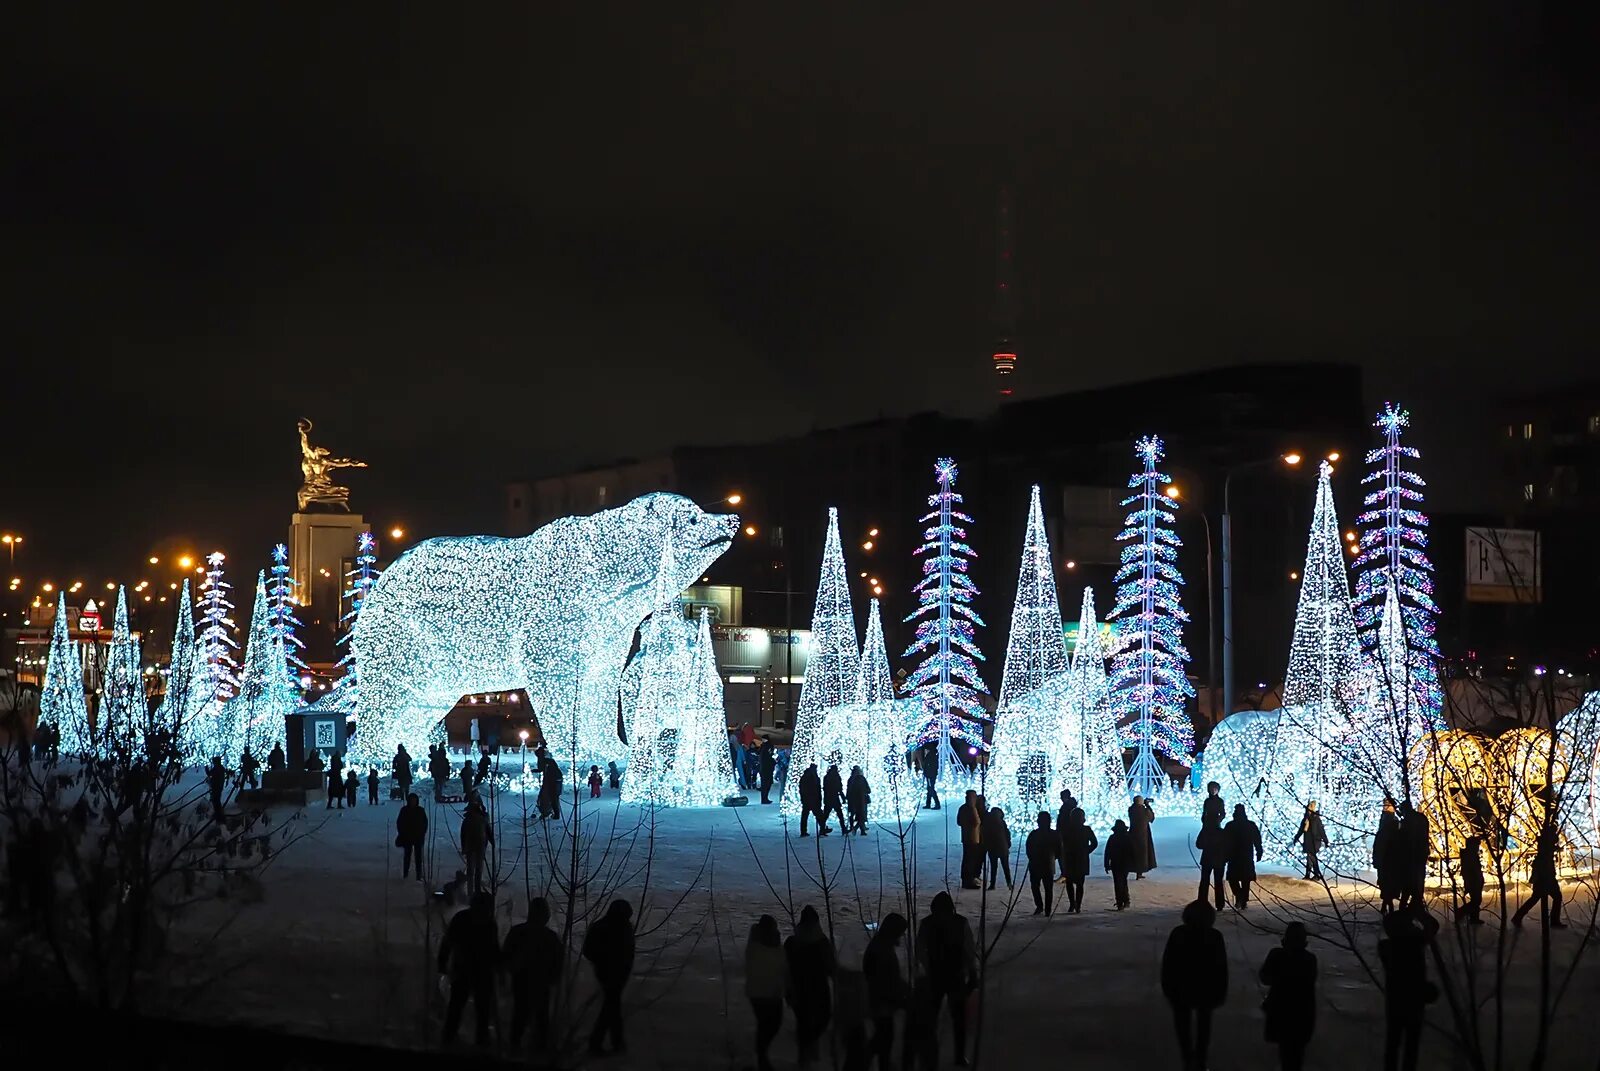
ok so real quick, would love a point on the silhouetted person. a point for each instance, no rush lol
(970, 821)
(275, 760)
(615, 776)
(411, 830)
(468, 770)
(596, 781)
(1118, 861)
(248, 765)
(1078, 843)
(1313, 837)
(551, 785)
(1213, 844)
(769, 770)
(1214, 810)
(1545, 885)
(372, 785)
(811, 801)
(352, 787)
(335, 789)
(1290, 975)
(1386, 856)
(533, 958)
(857, 796)
(1406, 989)
(947, 958)
(1413, 852)
(811, 961)
(1470, 866)
(336, 764)
(476, 836)
(439, 770)
(216, 782)
(1194, 979)
(997, 844)
(887, 989)
(766, 978)
(1244, 852)
(833, 797)
(1042, 848)
(1141, 840)
(608, 946)
(314, 762)
(929, 765)
(402, 771)
(482, 774)
(468, 955)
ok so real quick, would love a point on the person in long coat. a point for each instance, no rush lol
(1042, 848)
(997, 844)
(1413, 850)
(811, 801)
(1078, 842)
(411, 829)
(1544, 882)
(812, 964)
(766, 977)
(1313, 837)
(1143, 844)
(1385, 855)
(1244, 852)
(609, 947)
(1194, 979)
(1118, 861)
(857, 795)
(1290, 975)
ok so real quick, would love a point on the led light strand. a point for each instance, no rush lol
(280, 608)
(62, 702)
(124, 713)
(832, 664)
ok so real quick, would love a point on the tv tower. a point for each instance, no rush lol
(1004, 358)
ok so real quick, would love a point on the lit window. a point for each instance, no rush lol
(1527, 492)
(1594, 425)
(1527, 431)
(1511, 431)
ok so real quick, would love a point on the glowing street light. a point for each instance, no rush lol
(1174, 491)
(867, 545)
(1291, 458)
(185, 562)
(1071, 564)
(749, 529)
(397, 532)
(154, 560)
(48, 587)
(732, 500)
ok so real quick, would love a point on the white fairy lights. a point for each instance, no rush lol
(831, 666)
(871, 731)
(124, 713)
(62, 702)
(255, 717)
(216, 634)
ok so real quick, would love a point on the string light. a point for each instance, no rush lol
(1034, 742)
(186, 698)
(1148, 684)
(832, 665)
(266, 694)
(871, 731)
(947, 680)
(280, 610)
(554, 613)
(62, 702)
(216, 635)
(124, 712)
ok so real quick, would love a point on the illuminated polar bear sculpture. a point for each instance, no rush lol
(554, 613)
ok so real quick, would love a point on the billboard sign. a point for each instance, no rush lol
(1504, 565)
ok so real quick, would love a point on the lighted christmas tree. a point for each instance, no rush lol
(62, 703)
(124, 715)
(871, 731)
(188, 694)
(1149, 687)
(704, 766)
(254, 718)
(668, 685)
(216, 631)
(1029, 759)
(832, 664)
(946, 680)
(1393, 558)
(280, 610)
(1100, 746)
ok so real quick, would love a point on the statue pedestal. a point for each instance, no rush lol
(322, 549)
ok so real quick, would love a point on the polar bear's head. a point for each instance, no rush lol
(698, 538)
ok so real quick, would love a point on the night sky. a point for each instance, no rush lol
(506, 242)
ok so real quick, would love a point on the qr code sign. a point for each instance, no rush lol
(324, 734)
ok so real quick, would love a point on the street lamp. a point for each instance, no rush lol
(1211, 610)
(1291, 459)
(11, 542)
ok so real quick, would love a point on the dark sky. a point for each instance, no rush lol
(500, 242)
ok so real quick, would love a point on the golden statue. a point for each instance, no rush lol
(316, 464)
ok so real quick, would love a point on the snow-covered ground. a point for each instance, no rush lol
(339, 945)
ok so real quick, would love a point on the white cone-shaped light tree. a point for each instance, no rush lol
(216, 631)
(668, 688)
(703, 766)
(1149, 687)
(124, 715)
(831, 665)
(254, 718)
(947, 680)
(1105, 776)
(871, 730)
(1032, 750)
(62, 703)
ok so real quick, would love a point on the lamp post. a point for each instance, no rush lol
(1228, 690)
(1211, 611)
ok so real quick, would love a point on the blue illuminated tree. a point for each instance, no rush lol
(947, 680)
(63, 703)
(1393, 556)
(1149, 687)
(216, 634)
(124, 715)
(361, 578)
(280, 610)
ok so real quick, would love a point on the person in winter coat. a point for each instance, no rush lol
(248, 765)
(372, 785)
(275, 759)
(476, 836)
(335, 789)
(1412, 856)
(1244, 852)
(997, 844)
(1078, 843)
(970, 820)
(766, 976)
(811, 961)
(468, 955)
(887, 989)
(1063, 819)
(1314, 837)
(1385, 853)
(533, 957)
(1470, 867)
(608, 946)
(1213, 844)
(1214, 809)
(857, 794)
(833, 796)
(928, 763)
(352, 787)
(596, 782)
(947, 962)
(1543, 881)
(614, 775)
(1042, 848)
(402, 770)
(468, 770)
(1290, 975)
(411, 830)
(811, 801)
(1143, 844)
(482, 773)
(438, 770)
(1194, 979)
(1119, 860)
(767, 769)
(217, 783)
(1403, 951)
(551, 785)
